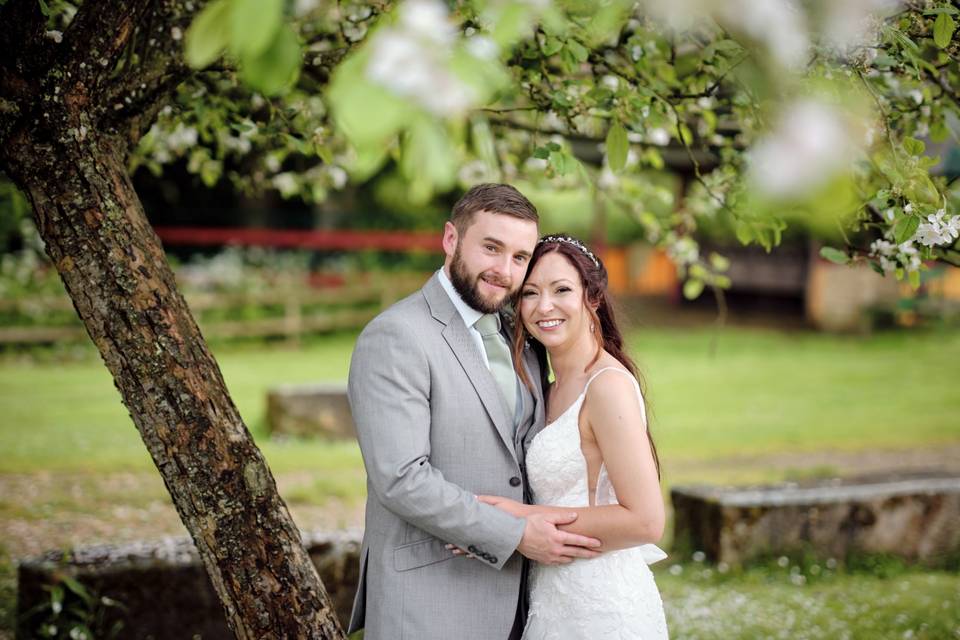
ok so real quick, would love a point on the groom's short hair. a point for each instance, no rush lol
(495, 198)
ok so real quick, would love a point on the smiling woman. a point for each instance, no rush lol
(594, 458)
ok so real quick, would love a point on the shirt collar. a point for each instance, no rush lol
(468, 313)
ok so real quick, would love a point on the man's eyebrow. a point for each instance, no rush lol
(501, 244)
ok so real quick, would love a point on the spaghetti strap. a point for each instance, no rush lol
(643, 406)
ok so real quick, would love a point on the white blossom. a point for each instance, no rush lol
(952, 227)
(181, 138)
(882, 248)
(303, 7)
(935, 231)
(683, 251)
(607, 179)
(929, 235)
(410, 59)
(888, 265)
(428, 20)
(659, 136)
(482, 47)
(286, 183)
(338, 177)
(532, 164)
(779, 24)
(848, 24)
(809, 144)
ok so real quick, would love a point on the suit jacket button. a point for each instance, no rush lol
(492, 559)
(472, 549)
(514, 481)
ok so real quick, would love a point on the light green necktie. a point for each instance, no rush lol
(498, 355)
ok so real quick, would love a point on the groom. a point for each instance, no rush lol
(442, 417)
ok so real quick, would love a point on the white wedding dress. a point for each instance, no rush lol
(610, 596)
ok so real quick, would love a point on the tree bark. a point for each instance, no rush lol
(65, 147)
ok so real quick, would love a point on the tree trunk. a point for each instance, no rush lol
(66, 151)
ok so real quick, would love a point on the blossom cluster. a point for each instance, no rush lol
(893, 256)
(937, 231)
(411, 59)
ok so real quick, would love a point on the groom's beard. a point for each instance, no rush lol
(466, 285)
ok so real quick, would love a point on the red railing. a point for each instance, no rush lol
(338, 240)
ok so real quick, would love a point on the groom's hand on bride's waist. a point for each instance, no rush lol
(543, 542)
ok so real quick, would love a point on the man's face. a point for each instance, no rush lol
(487, 263)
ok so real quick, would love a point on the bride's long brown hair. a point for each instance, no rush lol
(593, 278)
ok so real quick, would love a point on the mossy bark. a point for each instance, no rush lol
(64, 142)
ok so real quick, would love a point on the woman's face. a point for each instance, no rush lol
(551, 302)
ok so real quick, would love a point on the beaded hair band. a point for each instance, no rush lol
(572, 242)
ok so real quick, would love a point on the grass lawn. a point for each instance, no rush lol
(762, 392)
(792, 604)
(71, 460)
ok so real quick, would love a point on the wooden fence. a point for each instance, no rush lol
(289, 311)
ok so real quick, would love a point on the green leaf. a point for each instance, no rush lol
(617, 147)
(551, 45)
(277, 68)
(719, 262)
(692, 289)
(606, 21)
(905, 228)
(561, 162)
(541, 153)
(428, 162)
(914, 276)
(77, 588)
(913, 146)
(943, 28)
(368, 114)
(510, 25)
(208, 35)
(834, 255)
(254, 25)
(579, 52)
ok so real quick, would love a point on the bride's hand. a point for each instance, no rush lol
(512, 507)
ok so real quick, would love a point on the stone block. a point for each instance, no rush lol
(163, 588)
(914, 517)
(314, 410)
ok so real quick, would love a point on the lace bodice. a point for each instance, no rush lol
(557, 470)
(611, 596)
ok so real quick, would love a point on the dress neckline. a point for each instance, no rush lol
(583, 393)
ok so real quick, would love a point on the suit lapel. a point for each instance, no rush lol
(532, 368)
(465, 349)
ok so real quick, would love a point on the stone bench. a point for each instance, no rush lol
(914, 517)
(162, 587)
(310, 410)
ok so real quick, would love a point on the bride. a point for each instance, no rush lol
(595, 456)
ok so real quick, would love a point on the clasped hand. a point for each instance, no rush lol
(542, 540)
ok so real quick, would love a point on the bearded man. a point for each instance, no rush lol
(441, 418)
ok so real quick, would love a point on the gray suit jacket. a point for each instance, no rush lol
(434, 432)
